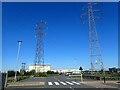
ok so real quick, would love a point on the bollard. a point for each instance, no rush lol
(104, 80)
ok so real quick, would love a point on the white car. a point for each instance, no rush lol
(68, 74)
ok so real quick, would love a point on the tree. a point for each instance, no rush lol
(32, 72)
(22, 72)
(18, 73)
(11, 73)
(50, 72)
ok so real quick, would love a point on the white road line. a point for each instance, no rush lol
(63, 83)
(75, 82)
(59, 80)
(72, 88)
(50, 83)
(56, 83)
(69, 83)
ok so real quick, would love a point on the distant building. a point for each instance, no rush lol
(66, 70)
(118, 71)
(40, 68)
(114, 70)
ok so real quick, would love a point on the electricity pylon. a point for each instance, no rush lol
(95, 53)
(23, 68)
(39, 53)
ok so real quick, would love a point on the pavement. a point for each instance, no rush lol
(26, 84)
(101, 84)
(59, 82)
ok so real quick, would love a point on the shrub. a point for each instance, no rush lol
(41, 74)
(110, 78)
(10, 80)
(52, 72)
(12, 73)
(19, 78)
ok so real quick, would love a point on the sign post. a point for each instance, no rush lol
(81, 74)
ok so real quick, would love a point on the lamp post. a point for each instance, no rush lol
(19, 44)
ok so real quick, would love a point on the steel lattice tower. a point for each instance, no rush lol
(39, 54)
(95, 53)
(23, 68)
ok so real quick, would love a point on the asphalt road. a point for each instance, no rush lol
(59, 82)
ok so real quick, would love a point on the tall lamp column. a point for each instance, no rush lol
(19, 44)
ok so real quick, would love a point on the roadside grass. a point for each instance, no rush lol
(99, 76)
(19, 78)
(75, 77)
(45, 75)
(52, 75)
(40, 74)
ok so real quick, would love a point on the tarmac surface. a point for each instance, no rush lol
(58, 82)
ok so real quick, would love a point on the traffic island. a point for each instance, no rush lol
(26, 84)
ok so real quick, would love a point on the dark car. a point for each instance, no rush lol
(60, 73)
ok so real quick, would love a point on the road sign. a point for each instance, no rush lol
(81, 73)
(81, 68)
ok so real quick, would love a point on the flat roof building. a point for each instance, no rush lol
(66, 70)
(40, 68)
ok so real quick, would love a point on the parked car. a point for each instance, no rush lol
(60, 73)
(68, 74)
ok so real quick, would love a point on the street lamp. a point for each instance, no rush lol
(19, 43)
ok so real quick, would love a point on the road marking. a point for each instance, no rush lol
(69, 83)
(75, 82)
(50, 83)
(56, 83)
(59, 80)
(72, 88)
(63, 83)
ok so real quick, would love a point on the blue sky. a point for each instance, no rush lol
(67, 39)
